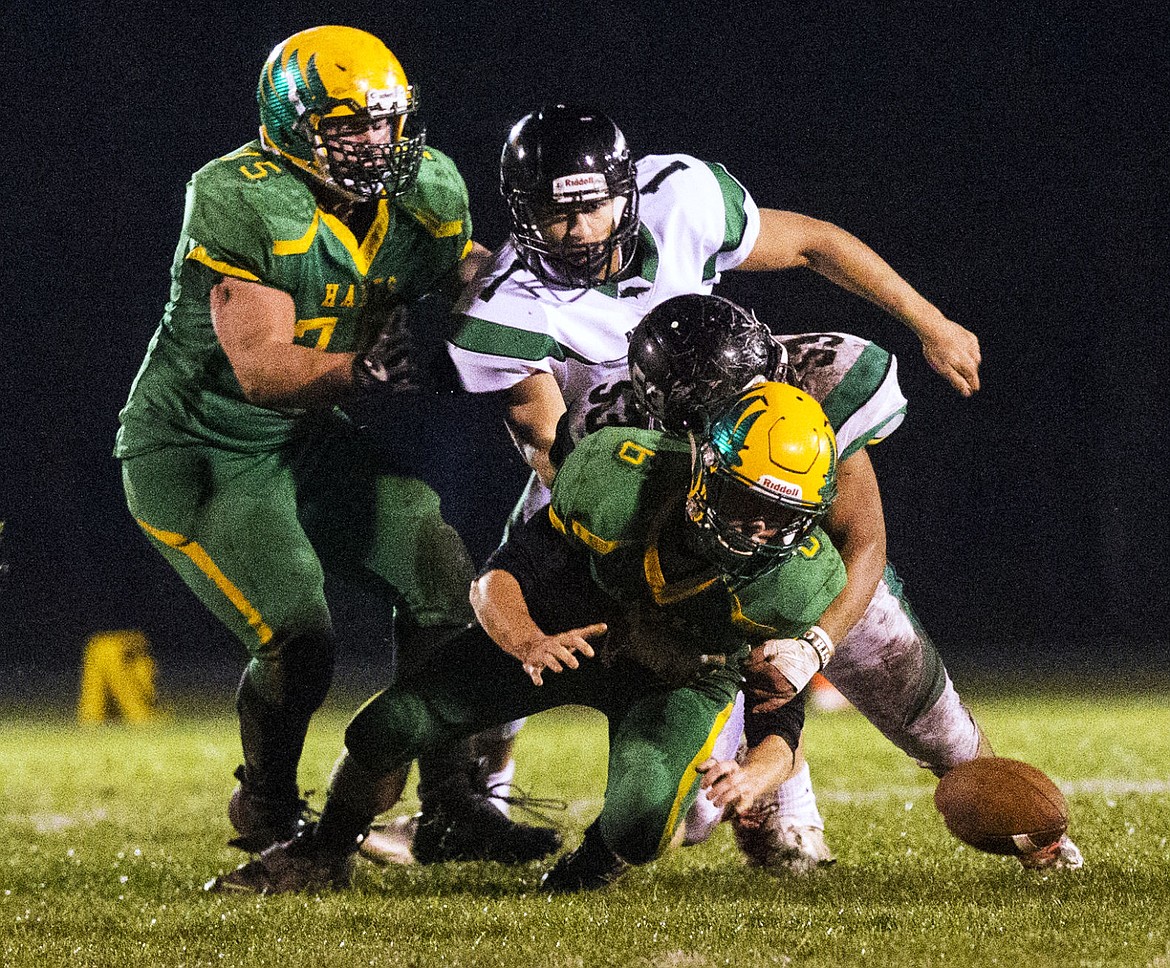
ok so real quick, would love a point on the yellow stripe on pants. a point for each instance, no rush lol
(202, 560)
(691, 776)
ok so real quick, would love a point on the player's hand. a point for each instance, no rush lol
(730, 785)
(387, 366)
(765, 688)
(555, 653)
(953, 353)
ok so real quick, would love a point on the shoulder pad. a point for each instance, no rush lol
(793, 595)
(855, 380)
(438, 199)
(609, 486)
(674, 176)
(239, 204)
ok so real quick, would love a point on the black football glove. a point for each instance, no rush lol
(386, 367)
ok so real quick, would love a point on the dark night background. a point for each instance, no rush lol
(1011, 164)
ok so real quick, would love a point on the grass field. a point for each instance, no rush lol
(109, 832)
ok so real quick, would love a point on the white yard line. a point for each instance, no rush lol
(1099, 787)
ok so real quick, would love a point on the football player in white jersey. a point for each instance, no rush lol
(596, 241)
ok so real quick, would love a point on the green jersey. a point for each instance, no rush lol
(249, 217)
(621, 493)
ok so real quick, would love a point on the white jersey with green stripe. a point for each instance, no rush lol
(697, 221)
(854, 380)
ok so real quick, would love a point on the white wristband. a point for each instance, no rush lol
(796, 659)
(820, 640)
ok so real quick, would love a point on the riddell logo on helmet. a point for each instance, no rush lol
(589, 184)
(390, 100)
(777, 486)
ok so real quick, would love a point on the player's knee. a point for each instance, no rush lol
(946, 735)
(391, 729)
(296, 671)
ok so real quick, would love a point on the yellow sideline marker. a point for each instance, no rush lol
(117, 679)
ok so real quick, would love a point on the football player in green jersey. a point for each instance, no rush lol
(657, 572)
(688, 357)
(597, 240)
(298, 253)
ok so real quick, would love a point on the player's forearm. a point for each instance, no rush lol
(500, 608)
(287, 375)
(536, 455)
(856, 525)
(846, 609)
(535, 406)
(845, 260)
(768, 764)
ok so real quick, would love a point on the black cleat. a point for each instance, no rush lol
(471, 827)
(591, 866)
(262, 820)
(294, 866)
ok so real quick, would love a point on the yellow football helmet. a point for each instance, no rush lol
(335, 102)
(761, 478)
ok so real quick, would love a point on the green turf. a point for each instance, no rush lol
(109, 832)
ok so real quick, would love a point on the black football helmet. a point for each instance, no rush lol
(559, 159)
(692, 354)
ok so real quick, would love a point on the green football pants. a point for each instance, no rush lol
(657, 735)
(253, 535)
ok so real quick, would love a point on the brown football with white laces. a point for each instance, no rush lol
(1002, 806)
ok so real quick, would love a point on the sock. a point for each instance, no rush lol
(499, 785)
(797, 800)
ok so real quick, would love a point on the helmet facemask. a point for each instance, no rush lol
(569, 263)
(692, 355)
(679, 405)
(564, 164)
(739, 528)
(368, 153)
(762, 478)
(335, 103)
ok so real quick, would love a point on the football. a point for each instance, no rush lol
(1001, 806)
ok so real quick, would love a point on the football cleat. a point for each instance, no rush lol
(1062, 855)
(390, 842)
(262, 820)
(590, 867)
(470, 827)
(778, 844)
(294, 866)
